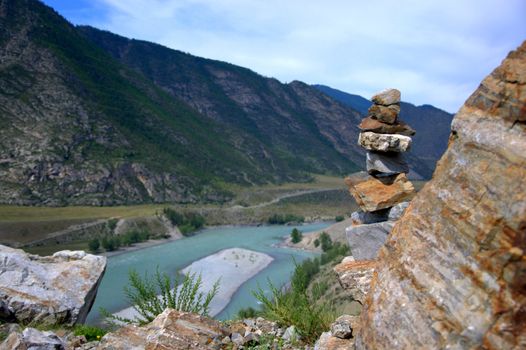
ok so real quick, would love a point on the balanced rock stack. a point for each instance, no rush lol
(385, 138)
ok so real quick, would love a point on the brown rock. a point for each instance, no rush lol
(328, 342)
(170, 330)
(373, 194)
(355, 277)
(386, 114)
(374, 125)
(452, 274)
(387, 97)
(384, 142)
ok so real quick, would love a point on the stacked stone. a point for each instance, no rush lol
(385, 185)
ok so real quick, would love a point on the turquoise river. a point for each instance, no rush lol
(175, 255)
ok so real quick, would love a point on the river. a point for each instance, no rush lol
(175, 255)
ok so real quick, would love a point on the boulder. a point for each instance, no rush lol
(384, 142)
(396, 212)
(452, 273)
(387, 97)
(365, 217)
(373, 194)
(342, 327)
(33, 339)
(385, 163)
(355, 277)
(170, 330)
(376, 126)
(385, 114)
(328, 342)
(366, 240)
(57, 289)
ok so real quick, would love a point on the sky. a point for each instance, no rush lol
(434, 52)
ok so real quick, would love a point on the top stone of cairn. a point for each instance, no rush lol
(387, 97)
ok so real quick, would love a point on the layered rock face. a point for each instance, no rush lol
(58, 289)
(453, 271)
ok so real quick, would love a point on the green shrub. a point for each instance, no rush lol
(296, 236)
(316, 242)
(248, 312)
(91, 333)
(325, 241)
(339, 218)
(150, 296)
(94, 245)
(112, 224)
(187, 222)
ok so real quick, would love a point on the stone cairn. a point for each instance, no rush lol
(386, 139)
(382, 193)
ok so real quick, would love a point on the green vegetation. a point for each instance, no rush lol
(94, 245)
(91, 333)
(325, 241)
(248, 312)
(339, 218)
(302, 304)
(296, 236)
(281, 219)
(150, 296)
(187, 222)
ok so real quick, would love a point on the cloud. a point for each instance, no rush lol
(435, 52)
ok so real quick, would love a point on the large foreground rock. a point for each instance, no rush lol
(453, 273)
(170, 330)
(58, 289)
(366, 240)
(373, 194)
(384, 142)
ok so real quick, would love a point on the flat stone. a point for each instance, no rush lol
(396, 212)
(386, 114)
(384, 142)
(355, 277)
(366, 217)
(366, 240)
(385, 163)
(376, 126)
(58, 289)
(170, 330)
(373, 194)
(387, 97)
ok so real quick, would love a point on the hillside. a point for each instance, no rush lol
(432, 127)
(79, 127)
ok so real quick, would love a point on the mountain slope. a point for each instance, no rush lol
(79, 127)
(286, 119)
(432, 127)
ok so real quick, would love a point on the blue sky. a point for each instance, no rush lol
(435, 52)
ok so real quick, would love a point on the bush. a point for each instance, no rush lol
(150, 296)
(339, 218)
(112, 224)
(91, 333)
(316, 242)
(296, 236)
(187, 222)
(248, 312)
(110, 243)
(325, 241)
(94, 245)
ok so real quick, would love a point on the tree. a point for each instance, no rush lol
(94, 245)
(325, 241)
(296, 236)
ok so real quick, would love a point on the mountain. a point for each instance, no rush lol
(432, 127)
(88, 117)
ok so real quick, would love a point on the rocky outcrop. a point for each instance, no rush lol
(452, 274)
(170, 330)
(58, 289)
(33, 339)
(341, 336)
(355, 277)
(366, 240)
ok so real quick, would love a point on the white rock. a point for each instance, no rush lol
(384, 142)
(58, 289)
